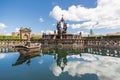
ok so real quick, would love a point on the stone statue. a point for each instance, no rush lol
(59, 28)
(64, 28)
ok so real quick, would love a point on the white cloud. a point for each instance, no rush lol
(9, 34)
(73, 56)
(53, 24)
(87, 25)
(105, 67)
(56, 69)
(17, 29)
(40, 62)
(2, 26)
(83, 33)
(105, 15)
(41, 20)
(2, 56)
(47, 31)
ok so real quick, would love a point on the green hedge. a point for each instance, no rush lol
(9, 37)
(35, 37)
(103, 37)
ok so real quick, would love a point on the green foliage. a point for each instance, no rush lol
(112, 37)
(33, 37)
(9, 37)
(103, 37)
(90, 37)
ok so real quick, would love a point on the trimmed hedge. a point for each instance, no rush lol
(103, 37)
(9, 37)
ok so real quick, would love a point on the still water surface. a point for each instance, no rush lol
(59, 65)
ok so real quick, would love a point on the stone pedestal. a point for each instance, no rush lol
(28, 43)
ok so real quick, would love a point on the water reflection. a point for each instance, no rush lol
(7, 49)
(62, 64)
(106, 68)
(2, 56)
(26, 56)
(78, 62)
(104, 52)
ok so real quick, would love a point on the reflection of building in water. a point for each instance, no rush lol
(61, 59)
(25, 57)
(90, 64)
(60, 55)
(104, 51)
(61, 36)
(7, 49)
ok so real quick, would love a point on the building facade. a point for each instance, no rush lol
(25, 33)
(15, 33)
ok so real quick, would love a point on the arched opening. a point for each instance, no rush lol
(25, 36)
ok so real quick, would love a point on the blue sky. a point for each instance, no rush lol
(40, 15)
